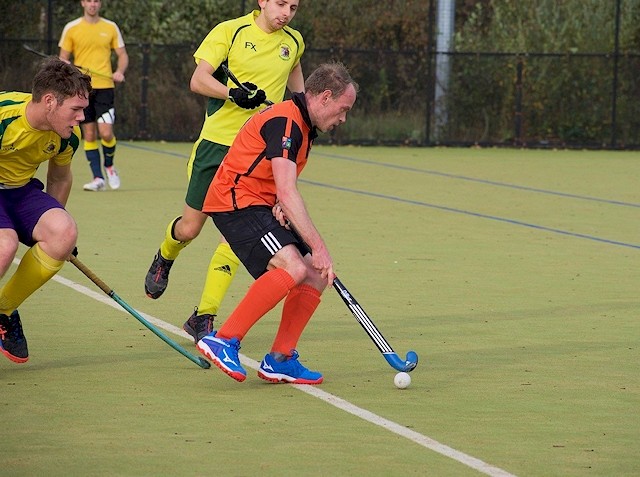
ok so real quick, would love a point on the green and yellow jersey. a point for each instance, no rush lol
(91, 45)
(22, 147)
(254, 56)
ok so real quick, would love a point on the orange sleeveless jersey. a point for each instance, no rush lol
(245, 177)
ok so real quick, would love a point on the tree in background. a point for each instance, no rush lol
(559, 96)
(566, 90)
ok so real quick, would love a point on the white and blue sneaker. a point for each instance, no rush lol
(224, 354)
(289, 371)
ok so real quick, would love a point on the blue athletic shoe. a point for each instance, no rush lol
(289, 371)
(224, 354)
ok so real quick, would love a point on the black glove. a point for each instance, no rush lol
(247, 100)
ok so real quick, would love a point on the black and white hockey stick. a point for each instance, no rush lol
(370, 328)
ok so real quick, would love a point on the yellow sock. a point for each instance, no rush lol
(222, 269)
(35, 269)
(170, 247)
(111, 143)
(90, 145)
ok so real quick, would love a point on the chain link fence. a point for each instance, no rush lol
(491, 99)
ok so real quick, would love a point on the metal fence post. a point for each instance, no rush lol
(517, 134)
(143, 133)
(614, 85)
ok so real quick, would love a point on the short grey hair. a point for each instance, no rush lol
(333, 76)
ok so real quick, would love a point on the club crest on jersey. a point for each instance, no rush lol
(286, 142)
(10, 147)
(285, 52)
(50, 147)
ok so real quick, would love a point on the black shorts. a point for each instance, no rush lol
(101, 107)
(255, 236)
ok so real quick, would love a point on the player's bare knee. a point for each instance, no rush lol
(315, 280)
(63, 240)
(186, 234)
(8, 241)
(107, 136)
(298, 271)
(186, 230)
(57, 231)
(8, 247)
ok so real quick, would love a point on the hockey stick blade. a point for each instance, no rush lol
(34, 51)
(370, 328)
(237, 82)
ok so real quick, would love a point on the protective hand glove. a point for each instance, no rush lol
(74, 253)
(247, 100)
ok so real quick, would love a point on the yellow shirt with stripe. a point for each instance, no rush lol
(91, 45)
(254, 56)
(22, 147)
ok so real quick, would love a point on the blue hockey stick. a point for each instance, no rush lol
(383, 345)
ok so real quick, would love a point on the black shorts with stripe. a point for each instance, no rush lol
(255, 236)
(101, 103)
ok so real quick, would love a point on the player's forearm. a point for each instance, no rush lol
(296, 80)
(59, 185)
(209, 87)
(123, 63)
(296, 212)
(59, 190)
(64, 55)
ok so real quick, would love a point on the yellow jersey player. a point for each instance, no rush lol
(90, 40)
(39, 127)
(264, 53)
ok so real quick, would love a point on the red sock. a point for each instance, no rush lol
(298, 308)
(265, 293)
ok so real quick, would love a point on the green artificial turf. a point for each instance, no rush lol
(512, 273)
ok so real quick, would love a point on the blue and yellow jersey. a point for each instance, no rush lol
(22, 147)
(91, 45)
(254, 56)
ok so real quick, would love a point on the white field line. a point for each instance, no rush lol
(335, 401)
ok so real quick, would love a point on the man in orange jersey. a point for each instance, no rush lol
(252, 199)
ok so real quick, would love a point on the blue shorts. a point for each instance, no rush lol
(22, 207)
(255, 236)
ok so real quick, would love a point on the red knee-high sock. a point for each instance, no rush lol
(298, 308)
(265, 293)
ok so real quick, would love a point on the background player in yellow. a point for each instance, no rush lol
(263, 53)
(90, 39)
(36, 128)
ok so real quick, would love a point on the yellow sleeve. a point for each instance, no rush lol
(68, 147)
